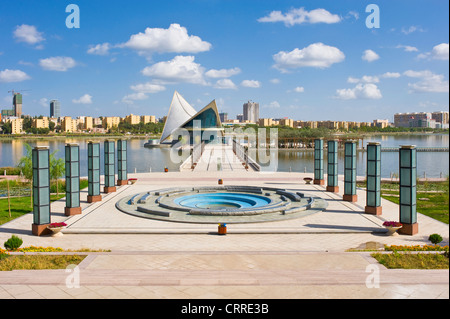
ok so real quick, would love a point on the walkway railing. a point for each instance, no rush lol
(242, 153)
(193, 159)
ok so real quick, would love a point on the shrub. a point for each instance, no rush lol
(13, 243)
(435, 238)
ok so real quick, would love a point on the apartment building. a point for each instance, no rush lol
(16, 125)
(148, 119)
(40, 123)
(69, 125)
(110, 122)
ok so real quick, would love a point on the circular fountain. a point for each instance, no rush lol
(221, 204)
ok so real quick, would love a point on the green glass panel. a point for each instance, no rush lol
(43, 159)
(405, 177)
(405, 158)
(75, 185)
(44, 196)
(405, 214)
(43, 178)
(75, 169)
(405, 196)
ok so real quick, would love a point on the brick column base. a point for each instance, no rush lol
(94, 198)
(109, 189)
(319, 182)
(350, 198)
(121, 182)
(409, 229)
(70, 211)
(40, 230)
(373, 210)
(333, 189)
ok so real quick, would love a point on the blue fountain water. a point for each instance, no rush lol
(222, 200)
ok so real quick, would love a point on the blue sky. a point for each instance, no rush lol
(307, 60)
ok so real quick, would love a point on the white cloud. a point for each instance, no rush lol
(225, 84)
(429, 82)
(273, 105)
(148, 88)
(391, 75)
(8, 75)
(59, 63)
(99, 49)
(316, 55)
(440, 52)
(300, 16)
(179, 69)
(407, 48)
(130, 98)
(222, 73)
(44, 102)
(174, 39)
(412, 29)
(28, 34)
(370, 56)
(275, 81)
(364, 79)
(251, 84)
(353, 14)
(299, 89)
(85, 99)
(360, 91)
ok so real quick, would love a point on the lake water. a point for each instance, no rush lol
(141, 159)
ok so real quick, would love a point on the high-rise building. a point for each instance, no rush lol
(17, 104)
(55, 108)
(440, 117)
(223, 117)
(251, 112)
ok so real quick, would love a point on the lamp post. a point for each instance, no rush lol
(332, 168)
(122, 176)
(41, 190)
(408, 191)
(350, 172)
(110, 167)
(72, 156)
(373, 178)
(94, 173)
(318, 162)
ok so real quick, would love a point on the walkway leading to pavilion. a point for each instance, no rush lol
(219, 157)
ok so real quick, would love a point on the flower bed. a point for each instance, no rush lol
(416, 248)
(392, 224)
(57, 225)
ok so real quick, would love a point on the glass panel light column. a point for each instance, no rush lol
(122, 176)
(350, 172)
(72, 180)
(110, 167)
(332, 168)
(408, 180)
(94, 173)
(373, 179)
(41, 190)
(318, 162)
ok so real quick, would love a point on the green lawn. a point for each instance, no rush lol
(432, 198)
(434, 205)
(22, 205)
(412, 261)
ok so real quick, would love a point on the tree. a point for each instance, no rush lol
(26, 167)
(57, 169)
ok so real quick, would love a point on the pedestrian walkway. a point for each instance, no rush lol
(301, 258)
(219, 157)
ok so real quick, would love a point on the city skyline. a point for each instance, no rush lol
(311, 61)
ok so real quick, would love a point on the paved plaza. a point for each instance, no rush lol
(289, 259)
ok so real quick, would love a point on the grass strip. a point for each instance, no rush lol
(412, 261)
(37, 262)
